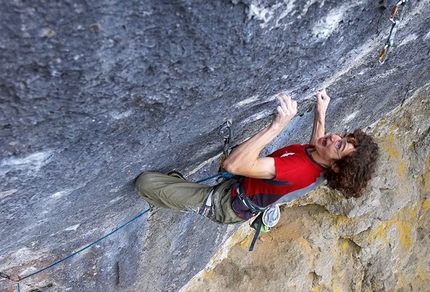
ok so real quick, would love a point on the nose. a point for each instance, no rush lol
(334, 137)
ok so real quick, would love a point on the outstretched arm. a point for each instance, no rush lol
(245, 160)
(321, 106)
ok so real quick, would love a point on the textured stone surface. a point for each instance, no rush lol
(93, 93)
(324, 242)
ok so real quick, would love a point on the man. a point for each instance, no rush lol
(347, 162)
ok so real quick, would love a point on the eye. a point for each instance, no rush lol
(338, 145)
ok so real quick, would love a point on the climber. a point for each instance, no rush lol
(346, 162)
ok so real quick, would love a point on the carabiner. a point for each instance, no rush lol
(3, 275)
(225, 130)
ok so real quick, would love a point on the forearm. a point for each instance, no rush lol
(243, 159)
(318, 129)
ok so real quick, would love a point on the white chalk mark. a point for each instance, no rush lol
(247, 101)
(60, 194)
(121, 115)
(350, 117)
(408, 38)
(7, 193)
(33, 162)
(73, 227)
(328, 24)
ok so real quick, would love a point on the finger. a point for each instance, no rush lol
(294, 103)
(279, 107)
(324, 94)
(283, 99)
(318, 95)
(290, 103)
(283, 96)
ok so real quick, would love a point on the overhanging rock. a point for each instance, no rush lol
(93, 93)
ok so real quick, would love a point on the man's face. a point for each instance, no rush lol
(333, 147)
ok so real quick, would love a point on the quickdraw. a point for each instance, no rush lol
(225, 133)
(3, 275)
(395, 25)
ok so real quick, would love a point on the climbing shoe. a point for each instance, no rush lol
(177, 174)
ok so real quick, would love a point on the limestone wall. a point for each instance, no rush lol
(379, 242)
(92, 93)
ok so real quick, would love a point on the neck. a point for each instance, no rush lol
(317, 158)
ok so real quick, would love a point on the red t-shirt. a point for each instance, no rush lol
(296, 171)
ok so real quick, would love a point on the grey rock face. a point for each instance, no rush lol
(93, 93)
(324, 242)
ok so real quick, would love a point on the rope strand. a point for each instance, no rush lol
(73, 254)
(19, 279)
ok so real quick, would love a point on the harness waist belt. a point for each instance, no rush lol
(247, 202)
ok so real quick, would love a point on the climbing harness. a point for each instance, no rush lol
(269, 216)
(394, 26)
(266, 217)
(225, 133)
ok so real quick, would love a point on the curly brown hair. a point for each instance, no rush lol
(357, 168)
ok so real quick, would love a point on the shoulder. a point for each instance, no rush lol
(294, 149)
(295, 160)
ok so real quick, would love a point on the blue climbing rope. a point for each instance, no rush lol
(81, 250)
(225, 175)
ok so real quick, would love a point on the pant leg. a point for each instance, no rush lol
(171, 192)
(174, 193)
(221, 202)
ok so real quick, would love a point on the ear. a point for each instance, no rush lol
(335, 167)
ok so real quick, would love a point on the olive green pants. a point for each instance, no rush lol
(174, 193)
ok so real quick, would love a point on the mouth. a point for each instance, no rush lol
(323, 141)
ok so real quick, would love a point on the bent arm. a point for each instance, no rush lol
(318, 129)
(245, 160)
